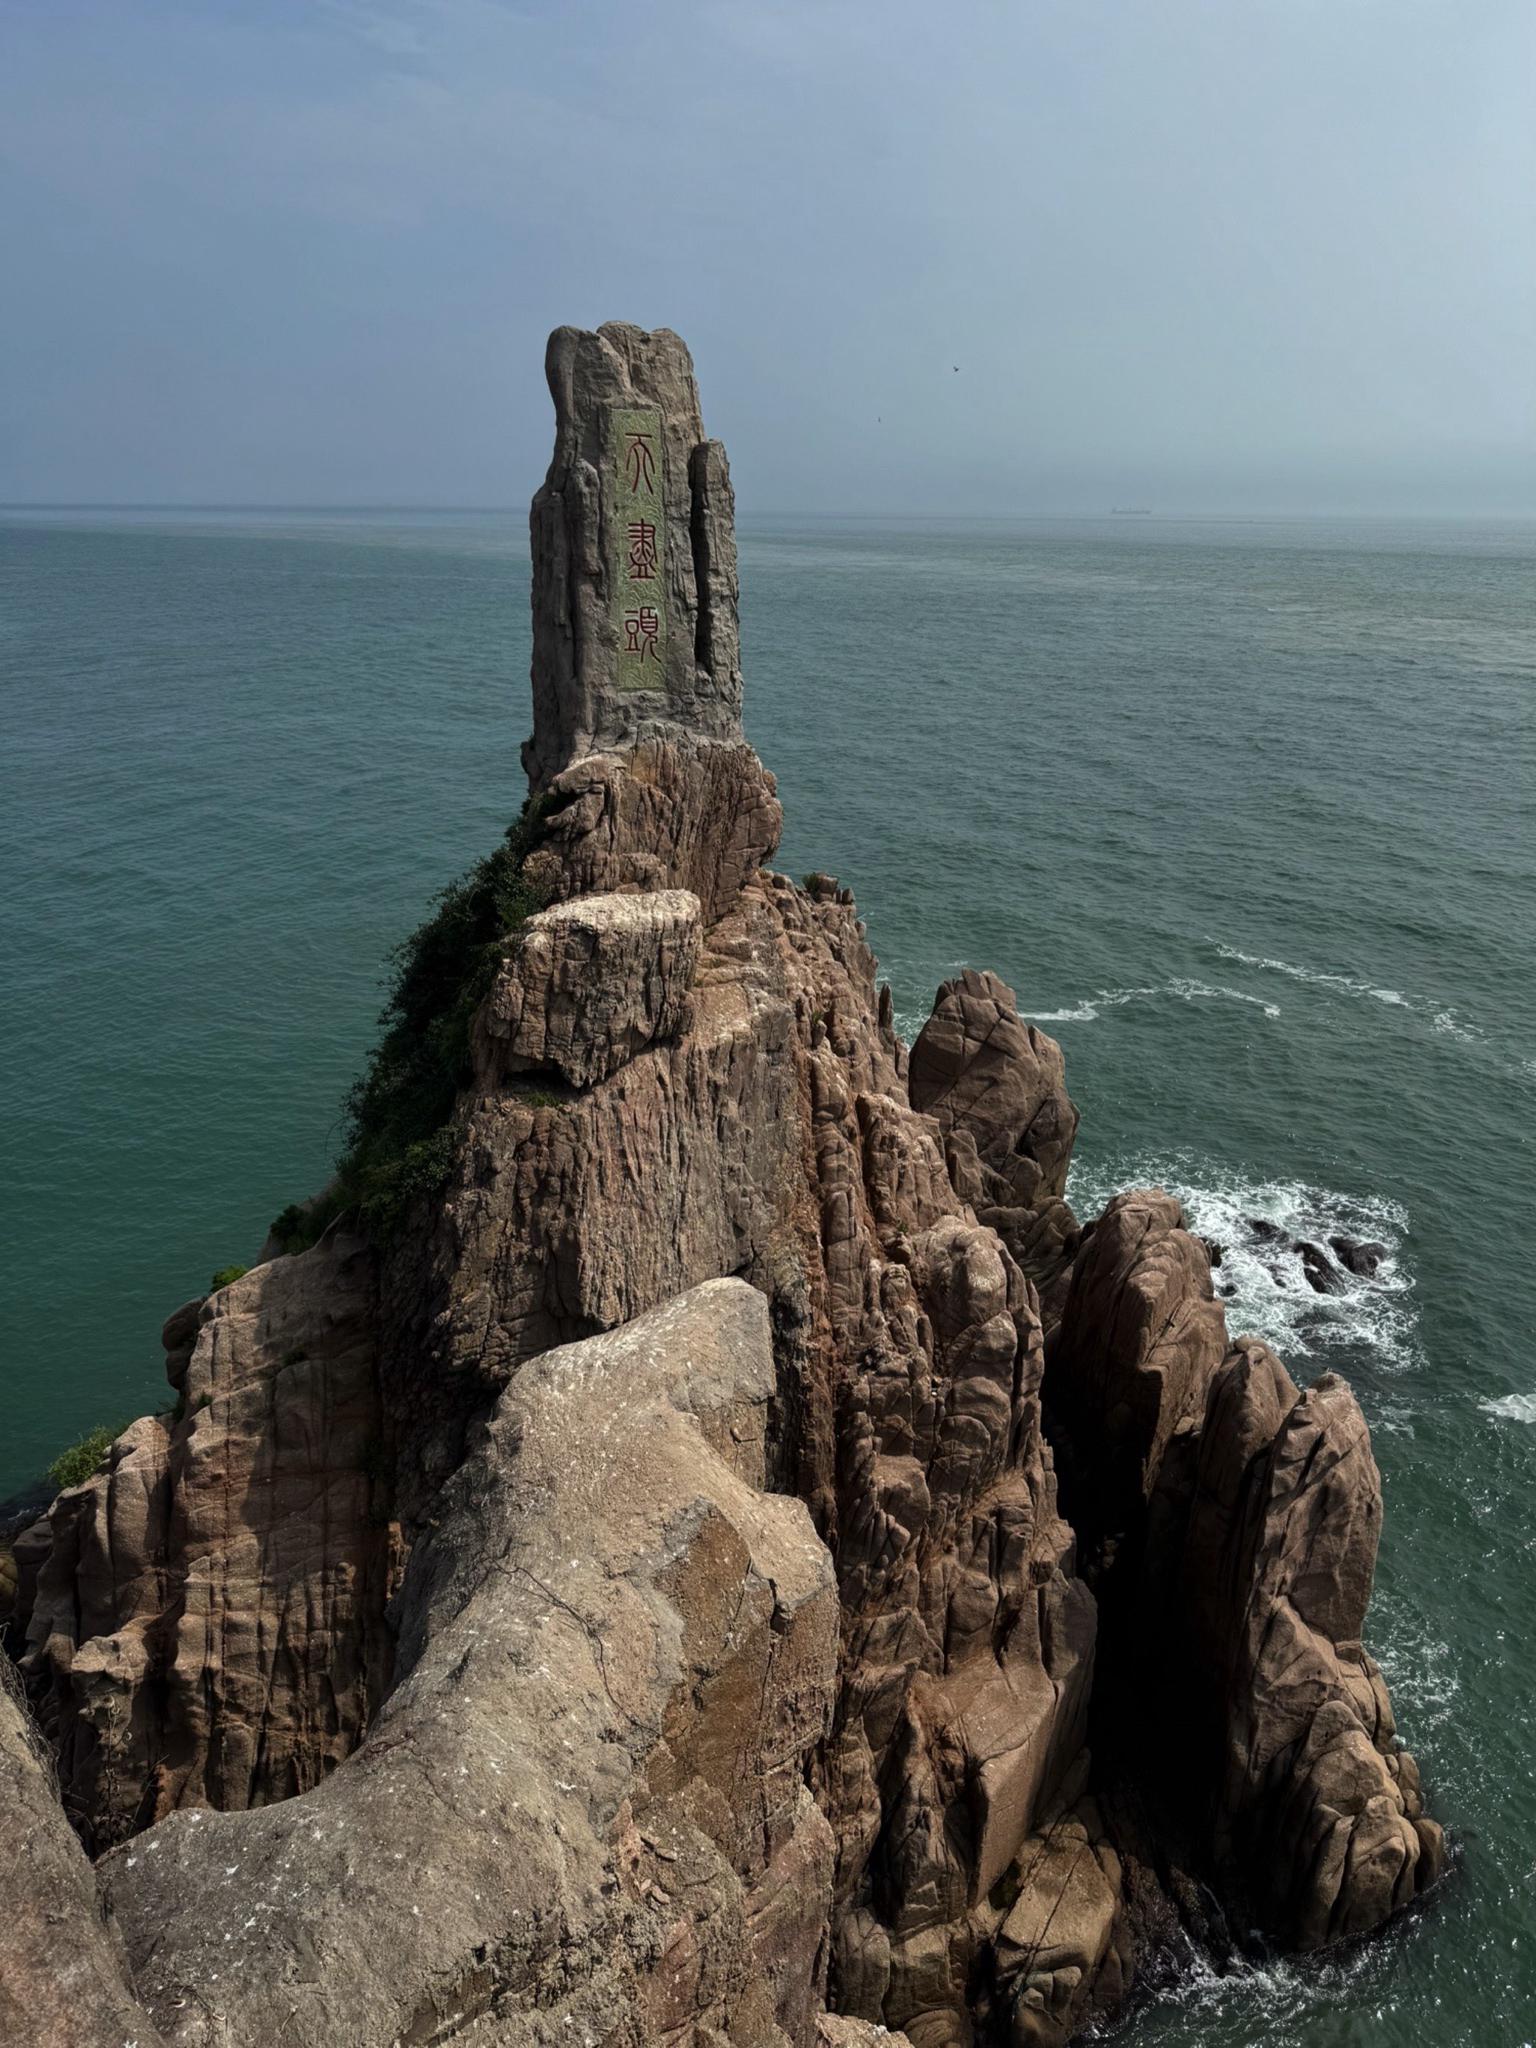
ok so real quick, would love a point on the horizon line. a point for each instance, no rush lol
(362, 505)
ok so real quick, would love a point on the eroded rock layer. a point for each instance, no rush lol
(687, 1582)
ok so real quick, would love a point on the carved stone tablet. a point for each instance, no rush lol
(637, 545)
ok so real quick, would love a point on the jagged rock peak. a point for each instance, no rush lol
(634, 556)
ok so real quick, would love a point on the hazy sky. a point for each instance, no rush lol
(1195, 254)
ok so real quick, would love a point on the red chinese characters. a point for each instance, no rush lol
(641, 536)
(641, 458)
(642, 631)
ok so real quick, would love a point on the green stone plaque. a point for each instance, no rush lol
(639, 541)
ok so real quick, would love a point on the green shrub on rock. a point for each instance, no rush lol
(76, 1464)
(400, 1133)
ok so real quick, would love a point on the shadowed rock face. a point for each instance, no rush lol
(209, 1625)
(636, 1604)
(63, 1975)
(1234, 1525)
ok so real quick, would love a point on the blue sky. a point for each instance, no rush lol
(1201, 254)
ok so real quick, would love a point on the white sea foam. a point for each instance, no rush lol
(1263, 1283)
(1182, 986)
(1419, 1668)
(1182, 989)
(1444, 1020)
(1346, 984)
(1511, 1407)
(1279, 2002)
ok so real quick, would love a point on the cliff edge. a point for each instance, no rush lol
(691, 1539)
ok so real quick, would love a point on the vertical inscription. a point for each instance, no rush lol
(639, 543)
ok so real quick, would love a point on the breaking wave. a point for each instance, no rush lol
(1346, 984)
(1183, 987)
(1261, 1279)
(1511, 1407)
(1443, 1020)
(1187, 990)
(1278, 2001)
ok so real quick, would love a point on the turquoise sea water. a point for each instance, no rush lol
(1240, 809)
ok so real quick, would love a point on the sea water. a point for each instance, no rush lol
(1240, 809)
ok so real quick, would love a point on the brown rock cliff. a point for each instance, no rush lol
(679, 1583)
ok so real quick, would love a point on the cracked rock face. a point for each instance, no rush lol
(582, 1812)
(634, 556)
(63, 1974)
(208, 1628)
(744, 1564)
(592, 982)
(999, 1091)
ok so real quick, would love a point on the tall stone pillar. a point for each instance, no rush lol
(634, 556)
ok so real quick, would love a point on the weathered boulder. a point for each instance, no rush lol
(1056, 1946)
(976, 1065)
(670, 814)
(590, 983)
(1140, 1337)
(582, 1811)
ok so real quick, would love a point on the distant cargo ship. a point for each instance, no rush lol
(1130, 511)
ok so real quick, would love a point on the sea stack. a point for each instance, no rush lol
(634, 556)
(705, 1545)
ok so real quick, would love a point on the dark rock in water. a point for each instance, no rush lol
(1265, 1231)
(1323, 1276)
(1361, 1256)
(1214, 1251)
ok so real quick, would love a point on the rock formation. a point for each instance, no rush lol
(63, 1974)
(679, 1577)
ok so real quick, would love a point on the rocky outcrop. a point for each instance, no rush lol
(591, 982)
(634, 556)
(1321, 1816)
(582, 1811)
(1234, 1524)
(738, 1561)
(998, 1089)
(208, 1627)
(63, 1974)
